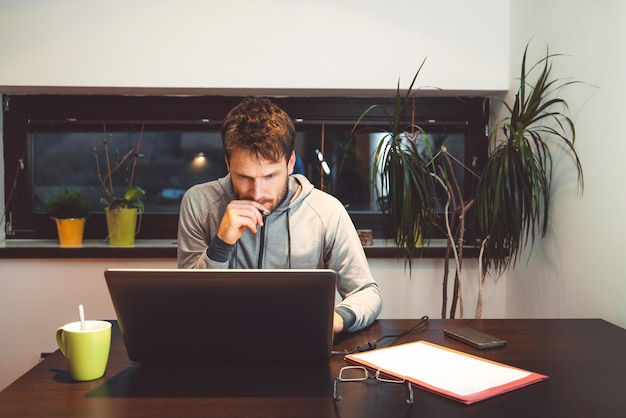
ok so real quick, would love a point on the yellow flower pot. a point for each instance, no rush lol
(70, 231)
(121, 226)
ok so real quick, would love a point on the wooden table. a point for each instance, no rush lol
(585, 360)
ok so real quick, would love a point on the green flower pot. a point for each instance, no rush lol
(121, 226)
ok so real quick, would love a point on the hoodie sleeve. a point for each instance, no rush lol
(199, 211)
(355, 284)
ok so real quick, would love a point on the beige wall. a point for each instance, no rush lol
(40, 295)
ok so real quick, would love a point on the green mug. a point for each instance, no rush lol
(86, 351)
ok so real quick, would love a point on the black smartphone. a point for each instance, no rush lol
(474, 338)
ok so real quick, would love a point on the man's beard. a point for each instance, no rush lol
(280, 197)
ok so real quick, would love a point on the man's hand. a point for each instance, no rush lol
(337, 323)
(239, 215)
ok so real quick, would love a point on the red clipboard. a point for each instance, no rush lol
(454, 374)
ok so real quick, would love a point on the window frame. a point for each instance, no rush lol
(18, 110)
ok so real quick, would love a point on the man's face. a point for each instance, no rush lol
(258, 179)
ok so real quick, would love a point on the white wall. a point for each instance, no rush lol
(271, 45)
(579, 270)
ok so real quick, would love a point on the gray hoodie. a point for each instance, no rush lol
(309, 229)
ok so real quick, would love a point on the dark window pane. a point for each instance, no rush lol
(169, 163)
(51, 142)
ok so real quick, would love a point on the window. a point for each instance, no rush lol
(55, 141)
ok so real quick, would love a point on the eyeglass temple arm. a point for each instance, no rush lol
(336, 396)
(411, 397)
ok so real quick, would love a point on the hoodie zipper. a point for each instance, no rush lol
(261, 245)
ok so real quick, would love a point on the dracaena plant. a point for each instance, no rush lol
(125, 164)
(513, 193)
(405, 177)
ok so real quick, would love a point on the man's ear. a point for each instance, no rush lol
(227, 165)
(291, 163)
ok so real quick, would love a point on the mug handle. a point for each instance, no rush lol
(60, 342)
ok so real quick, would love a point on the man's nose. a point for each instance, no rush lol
(256, 190)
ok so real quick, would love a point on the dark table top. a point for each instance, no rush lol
(585, 360)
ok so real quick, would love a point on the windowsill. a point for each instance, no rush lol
(26, 248)
(34, 248)
(436, 248)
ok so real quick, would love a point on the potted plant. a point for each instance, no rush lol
(513, 192)
(121, 213)
(69, 210)
(407, 187)
(511, 199)
(512, 195)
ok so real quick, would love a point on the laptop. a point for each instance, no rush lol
(224, 316)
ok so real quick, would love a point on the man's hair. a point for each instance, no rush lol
(261, 127)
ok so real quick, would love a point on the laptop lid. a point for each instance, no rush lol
(224, 316)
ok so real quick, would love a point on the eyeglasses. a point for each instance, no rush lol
(360, 374)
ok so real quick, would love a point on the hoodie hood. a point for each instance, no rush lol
(299, 188)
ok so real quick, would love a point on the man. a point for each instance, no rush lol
(261, 215)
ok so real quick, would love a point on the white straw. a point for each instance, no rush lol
(81, 312)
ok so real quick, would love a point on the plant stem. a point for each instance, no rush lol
(481, 280)
(108, 160)
(136, 157)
